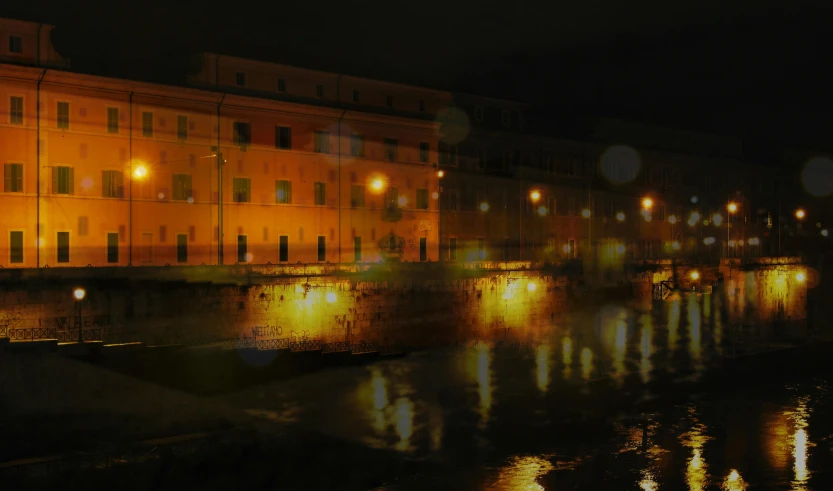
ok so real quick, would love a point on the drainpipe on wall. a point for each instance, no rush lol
(37, 158)
(220, 234)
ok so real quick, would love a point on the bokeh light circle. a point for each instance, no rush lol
(454, 125)
(817, 176)
(620, 164)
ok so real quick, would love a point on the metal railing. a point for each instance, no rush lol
(33, 333)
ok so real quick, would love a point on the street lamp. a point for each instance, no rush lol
(78, 294)
(732, 207)
(800, 214)
(535, 195)
(484, 207)
(647, 204)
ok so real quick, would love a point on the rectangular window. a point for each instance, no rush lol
(357, 196)
(508, 159)
(319, 91)
(113, 248)
(357, 145)
(112, 184)
(282, 85)
(240, 79)
(452, 249)
(392, 198)
(63, 115)
(447, 154)
(322, 248)
(112, 120)
(421, 106)
(481, 248)
(242, 189)
(453, 200)
(283, 137)
(181, 248)
(182, 128)
(320, 194)
(16, 44)
(283, 248)
(422, 199)
(423, 151)
(241, 133)
(13, 178)
(63, 247)
(478, 113)
(355, 96)
(181, 187)
(423, 249)
(15, 110)
(16, 246)
(242, 248)
(322, 142)
(357, 249)
(147, 124)
(283, 192)
(63, 180)
(391, 150)
(389, 101)
(481, 159)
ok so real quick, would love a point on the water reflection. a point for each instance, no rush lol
(399, 416)
(404, 422)
(482, 368)
(380, 398)
(648, 482)
(694, 331)
(673, 323)
(586, 363)
(799, 445)
(620, 346)
(694, 439)
(567, 355)
(646, 348)
(734, 482)
(542, 367)
(522, 473)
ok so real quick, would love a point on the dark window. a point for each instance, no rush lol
(421, 106)
(422, 199)
(452, 249)
(182, 128)
(423, 249)
(282, 85)
(241, 133)
(240, 79)
(357, 196)
(283, 248)
(283, 192)
(15, 44)
(391, 149)
(389, 101)
(63, 179)
(320, 194)
(112, 184)
(16, 246)
(112, 120)
(447, 154)
(355, 95)
(112, 248)
(15, 110)
(242, 248)
(357, 145)
(322, 142)
(283, 137)
(357, 249)
(322, 248)
(181, 187)
(63, 115)
(242, 190)
(481, 159)
(319, 91)
(423, 151)
(181, 248)
(478, 113)
(13, 178)
(392, 198)
(147, 124)
(63, 247)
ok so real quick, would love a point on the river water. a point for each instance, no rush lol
(580, 404)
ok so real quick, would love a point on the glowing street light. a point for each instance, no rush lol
(647, 203)
(800, 214)
(484, 206)
(732, 207)
(620, 216)
(585, 213)
(535, 196)
(79, 293)
(694, 275)
(440, 174)
(140, 172)
(377, 184)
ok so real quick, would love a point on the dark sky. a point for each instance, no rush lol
(729, 66)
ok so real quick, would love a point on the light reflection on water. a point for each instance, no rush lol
(695, 439)
(521, 474)
(694, 332)
(620, 347)
(542, 367)
(567, 356)
(673, 324)
(646, 348)
(799, 445)
(586, 363)
(481, 369)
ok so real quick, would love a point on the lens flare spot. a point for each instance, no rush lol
(620, 164)
(817, 176)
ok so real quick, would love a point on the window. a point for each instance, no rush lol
(16, 246)
(423, 249)
(355, 95)
(452, 249)
(423, 151)
(15, 110)
(508, 159)
(283, 192)
(147, 124)
(63, 180)
(447, 154)
(505, 117)
(112, 120)
(242, 248)
(112, 248)
(63, 247)
(181, 248)
(319, 91)
(322, 142)
(240, 79)
(242, 189)
(16, 44)
(322, 248)
(63, 115)
(357, 146)
(481, 159)
(283, 248)
(320, 194)
(357, 196)
(453, 200)
(422, 199)
(392, 198)
(112, 184)
(181, 187)
(241, 133)
(182, 128)
(478, 113)
(357, 249)
(389, 101)
(421, 106)
(391, 152)
(283, 137)
(282, 85)
(13, 178)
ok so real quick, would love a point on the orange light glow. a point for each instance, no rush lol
(800, 214)
(140, 172)
(732, 207)
(79, 293)
(535, 196)
(377, 184)
(647, 203)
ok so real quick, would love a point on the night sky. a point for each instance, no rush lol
(754, 69)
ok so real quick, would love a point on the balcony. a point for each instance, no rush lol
(391, 214)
